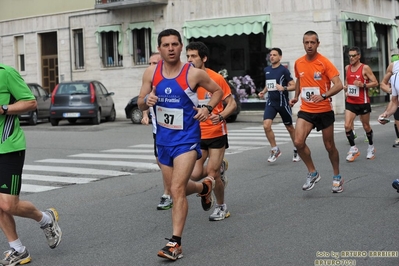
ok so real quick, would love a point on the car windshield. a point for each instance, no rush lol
(72, 89)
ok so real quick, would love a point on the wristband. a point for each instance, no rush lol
(364, 86)
(221, 118)
(210, 108)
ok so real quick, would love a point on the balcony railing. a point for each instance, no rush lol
(117, 4)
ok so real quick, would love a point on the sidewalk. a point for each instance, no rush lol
(257, 116)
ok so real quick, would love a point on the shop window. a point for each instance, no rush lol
(20, 53)
(141, 46)
(78, 48)
(242, 58)
(110, 54)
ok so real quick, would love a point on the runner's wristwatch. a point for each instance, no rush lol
(210, 108)
(324, 96)
(5, 109)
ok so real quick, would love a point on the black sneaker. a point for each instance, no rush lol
(12, 257)
(172, 251)
(207, 200)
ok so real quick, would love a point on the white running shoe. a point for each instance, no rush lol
(311, 180)
(371, 152)
(274, 154)
(296, 157)
(220, 213)
(223, 168)
(337, 186)
(52, 230)
(353, 153)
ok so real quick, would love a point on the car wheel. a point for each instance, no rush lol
(97, 119)
(231, 118)
(136, 115)
(72, 120)
(54, 122)
(33, 118)
(112, 116)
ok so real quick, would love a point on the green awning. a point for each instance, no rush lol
(113, 28)
(371, 33)
(142, 25)
(228, 26)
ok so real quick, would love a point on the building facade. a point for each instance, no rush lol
(111, 40)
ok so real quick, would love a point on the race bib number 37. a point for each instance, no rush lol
(171, 118)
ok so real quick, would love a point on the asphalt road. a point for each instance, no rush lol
(114, 221)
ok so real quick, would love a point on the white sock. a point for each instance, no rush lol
(45, 219)
(17, 245)
(275, 148)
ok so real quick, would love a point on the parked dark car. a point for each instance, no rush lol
(43, 105)
(135, 114)
(83, 99)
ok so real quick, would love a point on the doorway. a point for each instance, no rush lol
(49, 60)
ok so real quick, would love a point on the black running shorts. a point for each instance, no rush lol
(11, 165)
(320, 121)
(358, 109)
(215, 143)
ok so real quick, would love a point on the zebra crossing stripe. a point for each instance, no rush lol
(61, 179)
(150, 166)
(75, 170)
(114, 156)
(140, 151)
(36, 188)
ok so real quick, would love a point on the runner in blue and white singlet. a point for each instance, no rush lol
(174, 110)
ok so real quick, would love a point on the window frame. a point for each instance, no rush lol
(78, 48)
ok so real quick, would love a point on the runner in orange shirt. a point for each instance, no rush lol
(314, 74)
(213, 131)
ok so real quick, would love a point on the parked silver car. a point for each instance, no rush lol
(83, 99)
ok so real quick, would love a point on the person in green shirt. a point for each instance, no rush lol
(16, 98)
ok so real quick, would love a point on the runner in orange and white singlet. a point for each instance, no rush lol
(314, 74)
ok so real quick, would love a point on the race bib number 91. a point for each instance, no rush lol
(170, 118)
(307, 92)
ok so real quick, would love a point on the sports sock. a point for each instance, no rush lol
(370, 137)
(351, 137)
(176, 239)
(17, 245)
(45, 219)
(314, 173)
